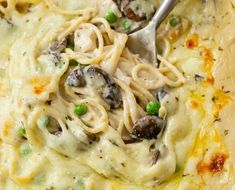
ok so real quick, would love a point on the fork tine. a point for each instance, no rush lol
(143, 42)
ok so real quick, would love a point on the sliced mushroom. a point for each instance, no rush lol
(91, 137)
(54, 127)
(155, 156)
(56, 48)
(161, 93)
(148, 127)
(131, 140)
(70, 39)
(102, 81)
(110, 91)
(95, 72)
(131, 12)
(76, 78)
(111, 94)
(136, 10)
(169, 100)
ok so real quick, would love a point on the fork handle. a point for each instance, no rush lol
(163, 11)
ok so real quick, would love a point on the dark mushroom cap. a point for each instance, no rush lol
(148, 127)
(76, 78)
(128, 11)
(54, 127)
(111, 92)
(112, 95)
(95, 71)
(57, 46)
(55, 49)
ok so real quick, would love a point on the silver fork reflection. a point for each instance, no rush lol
(143, 42)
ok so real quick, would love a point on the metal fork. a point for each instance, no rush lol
(143, 42)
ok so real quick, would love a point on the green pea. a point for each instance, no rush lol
(111, 17)
(175, 20)
(25, 151)
(153, 107)
(81, 109)
(126, 24)
(21, 131)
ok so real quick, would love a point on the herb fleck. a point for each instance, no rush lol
(214, 99)
(79, 181)
(198, 77)
(25, 151)
(69, 118)
(217, 120)
(177, 168)
(226, 132)
(220, 48)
